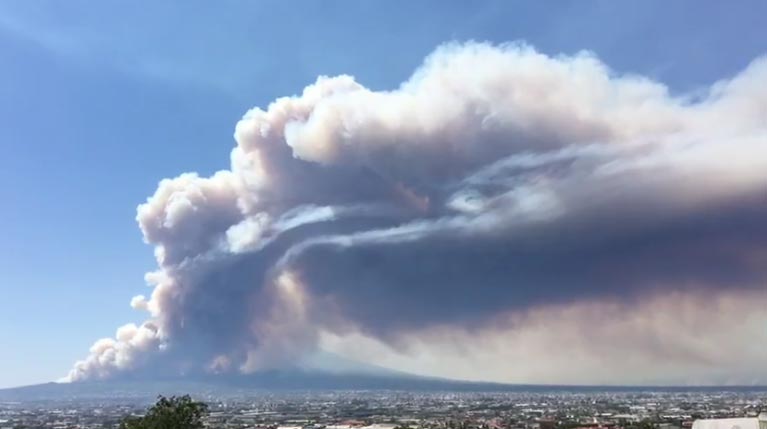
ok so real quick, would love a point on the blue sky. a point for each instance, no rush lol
(101, 100)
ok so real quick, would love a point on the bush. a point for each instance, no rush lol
(170, 413)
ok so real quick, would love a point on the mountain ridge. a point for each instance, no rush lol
(301, 380)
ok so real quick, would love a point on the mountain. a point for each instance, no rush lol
(321, 371)
(295, 380)
(234, 385)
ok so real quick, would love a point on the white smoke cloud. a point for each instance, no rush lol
(130, 346)
(484, 153)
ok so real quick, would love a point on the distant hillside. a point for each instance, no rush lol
(295, 380)
(221, 385)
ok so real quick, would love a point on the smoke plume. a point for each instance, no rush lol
(495, 185)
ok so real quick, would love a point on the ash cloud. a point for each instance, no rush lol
(495, 182)
(670, 339)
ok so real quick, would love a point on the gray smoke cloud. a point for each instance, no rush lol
(496, 182)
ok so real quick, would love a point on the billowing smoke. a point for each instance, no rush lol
(495, 184)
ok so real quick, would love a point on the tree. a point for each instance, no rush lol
(176, 412)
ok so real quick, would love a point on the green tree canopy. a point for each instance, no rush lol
(176, 412)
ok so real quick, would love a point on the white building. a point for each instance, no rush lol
(742, 423)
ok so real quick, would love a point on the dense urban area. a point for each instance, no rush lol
(432, 410)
